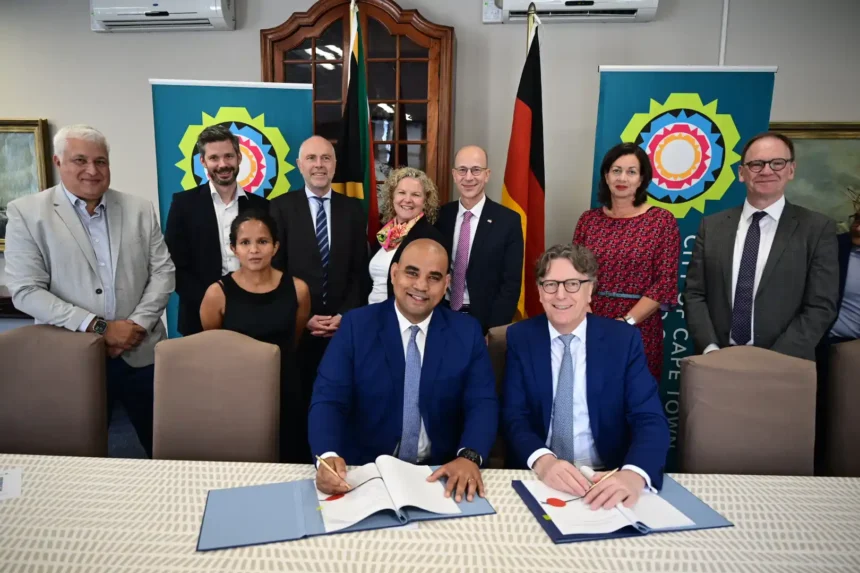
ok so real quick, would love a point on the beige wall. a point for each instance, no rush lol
(53, 66)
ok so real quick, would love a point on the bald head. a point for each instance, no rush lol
(317, 164)
(472, 152)
(420, 279)
(471, 174)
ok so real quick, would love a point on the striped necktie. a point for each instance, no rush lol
(743, 305)
(322, 242)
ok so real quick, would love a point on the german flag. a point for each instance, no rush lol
(355, 175)
(524, 185)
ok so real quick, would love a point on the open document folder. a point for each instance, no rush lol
(387, 493)
(567, 519)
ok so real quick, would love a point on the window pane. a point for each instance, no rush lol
(381, 77)
(297, 73)
(413, 122)
(328, 83)
(331, 42)
(380, 43)
(413, 80)
(328, 120)
(382, 119)
(383, 157)
(416, 156)
(409, 49)
(300, 52)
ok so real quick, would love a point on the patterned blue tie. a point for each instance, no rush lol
(411, 414)
(742, 308)
(562, 407)
(322, 242)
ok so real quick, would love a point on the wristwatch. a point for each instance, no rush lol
(629, 320)
(100, 325)
(471, 455)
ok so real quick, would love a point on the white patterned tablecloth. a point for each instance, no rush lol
(106, 515)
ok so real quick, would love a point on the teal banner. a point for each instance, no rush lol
(271, 120)
(693, 124)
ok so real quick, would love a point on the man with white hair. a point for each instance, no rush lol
(88, 258)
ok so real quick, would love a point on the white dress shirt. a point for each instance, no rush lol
(476, 217)
(315, 205)
(585, 451)
(767, 225)
(379, 267)
(226, 213)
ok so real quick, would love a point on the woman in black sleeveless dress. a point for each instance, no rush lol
(263, 303)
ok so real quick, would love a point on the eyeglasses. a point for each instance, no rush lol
(777, 164)
(570, 285)
(476, 171)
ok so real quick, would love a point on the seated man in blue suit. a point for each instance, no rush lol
(578, 391)
(407, 378)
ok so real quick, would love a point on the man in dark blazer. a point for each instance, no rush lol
(765, 273)
(486, 242)
(407, 378)
(578, 392)
(198, 224)
(323, 238)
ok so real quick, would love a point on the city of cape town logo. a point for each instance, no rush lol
(264, 153)
(691, 147)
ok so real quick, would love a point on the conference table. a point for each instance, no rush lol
(106, 515)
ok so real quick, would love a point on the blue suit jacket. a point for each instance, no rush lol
(844, 241)
(357, 404)
(627, 419)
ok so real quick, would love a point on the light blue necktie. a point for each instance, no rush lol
(322, 241)
(411, 414)
(562, 407)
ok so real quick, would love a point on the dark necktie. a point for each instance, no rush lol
(744, 290)
(322, 241)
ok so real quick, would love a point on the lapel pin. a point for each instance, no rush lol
(489, 220)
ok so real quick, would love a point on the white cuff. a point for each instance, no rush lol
(86, 323)
(642, 473)
(537, 454)
(324, 456)
(710, 348)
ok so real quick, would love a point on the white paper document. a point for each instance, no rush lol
(10, 483)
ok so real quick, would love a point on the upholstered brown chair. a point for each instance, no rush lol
(217, 398)
(52, 392)
(842, 418)
(747, 410)
(498, 347)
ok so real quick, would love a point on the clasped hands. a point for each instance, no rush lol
(122, 335)
(464, 478)
(323, 326)
(623, 486)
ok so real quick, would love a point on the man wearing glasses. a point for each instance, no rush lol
(578, 391)
(765, 273)
(486, 242)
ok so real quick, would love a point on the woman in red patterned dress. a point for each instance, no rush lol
(637, 247)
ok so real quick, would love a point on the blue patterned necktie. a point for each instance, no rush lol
(562, 407)
(742, 308)
(322, 241)
(411, 414)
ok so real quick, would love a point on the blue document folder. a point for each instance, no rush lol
(287, 511)
(694, 508)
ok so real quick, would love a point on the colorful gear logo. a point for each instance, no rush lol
(264, 153)
(691, 147)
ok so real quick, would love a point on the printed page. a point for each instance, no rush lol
(367, 496)
(408, 486)
(10, 483)
(657, 513)
(571, 515)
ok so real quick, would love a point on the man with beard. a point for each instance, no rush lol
(198, 225)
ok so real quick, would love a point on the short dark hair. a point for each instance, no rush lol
(768, 134)
(215, 133)
(580, 256)
(253, 215)
(645, 170)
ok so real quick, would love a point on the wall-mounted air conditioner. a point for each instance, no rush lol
(580, 10)
(161, 15)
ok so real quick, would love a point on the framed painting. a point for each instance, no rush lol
(25, 162)
(827, 177)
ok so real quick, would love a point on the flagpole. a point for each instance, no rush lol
(531, 26)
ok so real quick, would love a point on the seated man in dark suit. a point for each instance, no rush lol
(407, 378)
(198, 224)
(578, 392)
(486, 241)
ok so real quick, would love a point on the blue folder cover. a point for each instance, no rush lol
(697, 510)
(287, 511)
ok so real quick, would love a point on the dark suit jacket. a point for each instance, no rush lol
(495, 273)
(195, 246)
(796, 299)
(624, 408)
(423, 229)
(357, 404)
(299, 255)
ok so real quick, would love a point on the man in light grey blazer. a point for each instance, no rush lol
(765, 273)
(87, 258)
